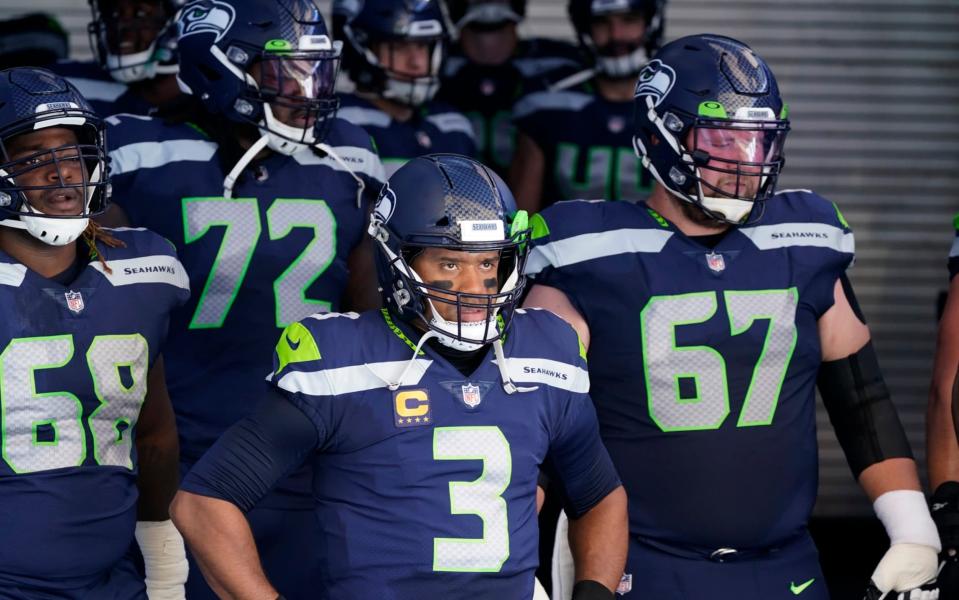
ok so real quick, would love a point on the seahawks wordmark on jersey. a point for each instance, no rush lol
(429, 490)
(703, 361)
(73, 365)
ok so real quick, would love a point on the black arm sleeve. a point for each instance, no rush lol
(254, 454)
(861, 410)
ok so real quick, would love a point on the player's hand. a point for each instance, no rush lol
(906, 572)
(944, 507)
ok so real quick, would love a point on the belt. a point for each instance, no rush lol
(721, 554)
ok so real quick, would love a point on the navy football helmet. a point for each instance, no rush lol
(134, 39)
(266, 63)
(362, 24)
(710, 125)
(583, 13)
(33, 99)
(454, 202)
(487, 12)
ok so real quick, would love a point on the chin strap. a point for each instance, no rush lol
(394, 385)
(508, 386)
(230, 180)
(573, 80)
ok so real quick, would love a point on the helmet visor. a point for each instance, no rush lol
(738, 159)
(298, 87)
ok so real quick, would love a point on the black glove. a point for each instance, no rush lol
(944, 507)
(591, 590)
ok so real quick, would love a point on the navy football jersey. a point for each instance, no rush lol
(486, 93)
(703, 361)
(435, 127)
(587, 146)
(430, 490)
(106, 95)
(73, 368)
(272, 254)
(954, 251)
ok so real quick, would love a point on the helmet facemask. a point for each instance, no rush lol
(75, 171)
(405, 89)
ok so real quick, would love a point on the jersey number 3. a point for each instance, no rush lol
(666, 365)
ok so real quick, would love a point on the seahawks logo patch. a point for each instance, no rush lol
(385, 205)
(656, 80)
(204, 17)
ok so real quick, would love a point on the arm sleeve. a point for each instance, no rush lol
(255, 453)
(579, 459)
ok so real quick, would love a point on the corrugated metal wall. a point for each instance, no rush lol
(873, 89)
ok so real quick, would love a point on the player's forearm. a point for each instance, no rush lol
(220, 538)
(889, 475)
(599, 540)
(159, 474)
(941, 443)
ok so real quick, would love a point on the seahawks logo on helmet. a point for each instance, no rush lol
(656, 80)
(385, 205)
(202, 18)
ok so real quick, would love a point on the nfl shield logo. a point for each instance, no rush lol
(471, 395)
(625, 584)
(716, 262)
(74, 301)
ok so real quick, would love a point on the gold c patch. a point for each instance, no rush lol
(411, 408)
(296, 345)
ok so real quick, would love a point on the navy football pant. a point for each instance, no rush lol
(791, 572)
(286, 540)
(123, 582)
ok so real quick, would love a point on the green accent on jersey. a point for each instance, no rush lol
(296, 345)
(798, 589)
(955, 222)
(659, 218)
(278, 46)
(842, 219)
(397, 331)
(784, 113)
(540, 228)
(712, 109)
(582, 348)
(376, 150)
(197, 128)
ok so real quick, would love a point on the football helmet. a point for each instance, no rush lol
(582, 13)
(266, 63)
(33, 99)
(710, 125)
(454, 202)
(134, 40)
(464, 12)
(361, 24)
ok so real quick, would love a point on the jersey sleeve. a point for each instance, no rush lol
(954, 251)
(577, 455)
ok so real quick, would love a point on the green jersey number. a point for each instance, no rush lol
(240, 220)
(483, 498)
(666, 364)
(45, 430)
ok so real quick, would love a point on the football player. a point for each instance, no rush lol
(426, 421)
(263, 191)
(393, 51)
(711, 312)
(490, 68)
(942, 434)
(134, 66)
(89, 457)
(574, 140)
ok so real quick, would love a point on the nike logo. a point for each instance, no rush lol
(798, 589)
(293, 345)
(939, 506)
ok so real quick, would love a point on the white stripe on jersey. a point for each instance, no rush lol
(349, 380)
(562, 100)
(12, 274)
(590, 246)
(452, 122)
(360, 160)
(548, 372)
(95, 89)
(364, 117)
(784, 235)
(158, 268)
(149, 155)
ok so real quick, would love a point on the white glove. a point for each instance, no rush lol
(904, 568)
(164, 559)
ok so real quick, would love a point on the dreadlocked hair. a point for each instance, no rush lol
(93, 233)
